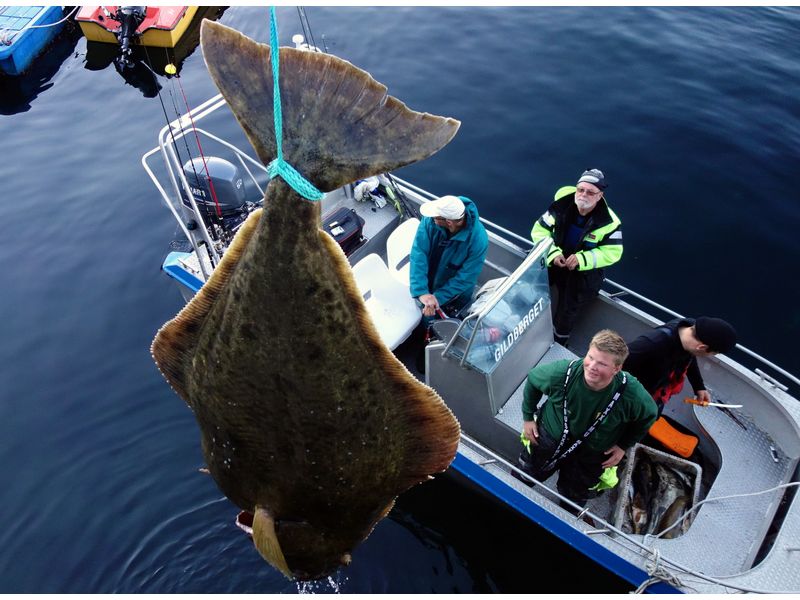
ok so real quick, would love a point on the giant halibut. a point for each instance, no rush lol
(306, 418)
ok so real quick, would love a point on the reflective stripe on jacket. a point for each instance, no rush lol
(461, 260)
(600, 242)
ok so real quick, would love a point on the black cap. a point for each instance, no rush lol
(595, 177)
(715, 333)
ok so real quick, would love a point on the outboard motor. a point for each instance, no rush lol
(129, 18)
(229, 189)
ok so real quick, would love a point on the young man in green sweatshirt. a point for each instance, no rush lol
(605, 410)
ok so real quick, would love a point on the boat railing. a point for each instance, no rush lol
(623, 291)
(184, 125)
(495, 458)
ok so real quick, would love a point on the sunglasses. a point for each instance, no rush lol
(586, 192)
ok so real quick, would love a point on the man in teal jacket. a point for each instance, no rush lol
(605, 409)
(447, 255)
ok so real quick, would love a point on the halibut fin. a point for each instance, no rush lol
(174, 344)
(431, 431)
(339, 124)
(266, 541)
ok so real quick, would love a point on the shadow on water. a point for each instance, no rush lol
(146, 61)
(495, 544)
(20, 91)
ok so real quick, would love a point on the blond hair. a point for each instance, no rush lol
(612, 343)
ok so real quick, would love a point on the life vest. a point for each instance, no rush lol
(673, 386)
(600, 242)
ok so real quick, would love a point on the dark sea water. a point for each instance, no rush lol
(692, 113)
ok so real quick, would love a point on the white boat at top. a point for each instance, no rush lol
(743, 530)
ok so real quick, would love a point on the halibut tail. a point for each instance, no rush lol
(339, 124)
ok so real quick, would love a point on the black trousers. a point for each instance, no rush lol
(578, 472)
(575, 289)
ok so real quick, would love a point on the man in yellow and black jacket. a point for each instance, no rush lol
(587, 237)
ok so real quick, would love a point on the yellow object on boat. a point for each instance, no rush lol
(162, 27)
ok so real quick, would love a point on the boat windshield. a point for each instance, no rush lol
(498, 319)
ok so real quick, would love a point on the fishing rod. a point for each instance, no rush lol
(408, 206)
(209, 215)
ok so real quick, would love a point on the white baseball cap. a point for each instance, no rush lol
(447, 207)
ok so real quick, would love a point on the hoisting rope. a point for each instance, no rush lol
(279, 167)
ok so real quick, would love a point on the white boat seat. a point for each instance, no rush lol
(389, 302)
(398, 250)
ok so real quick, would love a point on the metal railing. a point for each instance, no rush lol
(169, 134)
(628, 292)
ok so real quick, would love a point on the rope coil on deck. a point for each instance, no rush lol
(279, 167)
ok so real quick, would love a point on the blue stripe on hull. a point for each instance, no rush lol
(174, 269)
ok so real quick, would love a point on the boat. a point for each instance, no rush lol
(25, 31)
(138, 66)
(741, 532)
(19, 91)
(150, 26)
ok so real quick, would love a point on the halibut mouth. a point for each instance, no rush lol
(307, 420)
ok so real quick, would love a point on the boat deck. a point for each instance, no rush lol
(726, 536)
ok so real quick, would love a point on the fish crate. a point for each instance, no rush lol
(691, 477)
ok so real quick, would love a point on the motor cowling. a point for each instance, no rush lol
(227, 182)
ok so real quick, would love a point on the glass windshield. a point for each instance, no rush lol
(525, 298)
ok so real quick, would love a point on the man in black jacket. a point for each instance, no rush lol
(587, 238)
(661, 358)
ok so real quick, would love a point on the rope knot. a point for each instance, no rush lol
(657, 573)
(301, 185)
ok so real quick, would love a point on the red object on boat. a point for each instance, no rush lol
(162, 25)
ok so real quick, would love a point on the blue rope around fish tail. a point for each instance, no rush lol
(279, 167)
